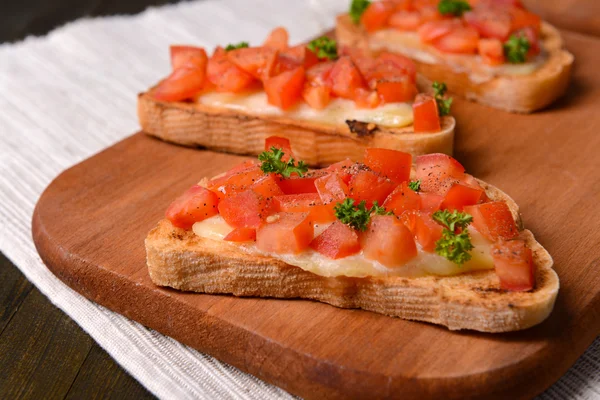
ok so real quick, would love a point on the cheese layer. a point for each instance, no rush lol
(425, 263)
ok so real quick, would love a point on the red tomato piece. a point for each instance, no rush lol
(245, 210)
(490, 22)
(345, 78)
(388, 241)
(392, 164)
(461, 40)
(318, 75)
(256, 61)
(430, 202)
(285, 233)
(377, 15)
(301, 55)
(331, 188)
(402, 199)
(491, 51)
(337, 241)
(343, 169)
(533, 37)
(236, 182)
(493, 220)
(369, 186)
(280, 143)
(364, 98)
(317, 97)
(299, 185)
(396, 90)
(241, 235)
(277, 39)
(425, 230)
(513, 262)
(267, 186)
(307, 202)
(188, 57)
(182, 84)
(389, 66)
(425, 114)
(405, 20)
(225, 75)
(285, 89)
(521, 18)
(431, 31)
(196, 204)
(460, 196)
(438, 172)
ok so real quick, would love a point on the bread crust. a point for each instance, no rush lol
(200, 125)
(523, 94)
(182, 260)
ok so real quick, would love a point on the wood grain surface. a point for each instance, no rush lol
(90, 224)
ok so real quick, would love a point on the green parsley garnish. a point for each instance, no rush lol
(357, 8)
(454, 7)
(453, 245)
(271, 162)
(516, 48)
(357, 217)
(443, 104)
(415, 185)
(324, 47)
(240, 45)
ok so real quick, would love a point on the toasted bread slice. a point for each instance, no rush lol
(515, 93)
(318, 144)
(179, 259)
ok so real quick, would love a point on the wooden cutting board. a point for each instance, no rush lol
(89, 227)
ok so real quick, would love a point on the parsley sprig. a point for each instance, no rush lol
(439, 90)
(324, 47)
(357, 8)
(239, 45)
(455, 243)
(415, 185)
(357, 216)
(271, 162)
(453, 7)
(516, 48)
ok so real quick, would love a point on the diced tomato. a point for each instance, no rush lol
(188, 57)
(236, 182)
(405, 20)
(425, 114)
(430, 13)
(345, 78)
(331, 188)
(400, 89)
(521, 18)
(307, 202)
(532, 37)
(377, 15)
(364, 98)
(461, 40)
(490, 22)
(196, 204)
(401, 199)
(301, 55)
(493, 220)
(432, 31)
(241, 235)
(285, 89)
(460, 196)
(280, 143)
(285, 233)
(317, 97)
(266, 186)
(318, 75)
(337, 241)
(225, 75)
(277, 39)
(297, 185)
(256, 61)
(393, 164)
(402, 5)
(430, 202)
(370, 186)
(245, 210)
(491, 51)
(388, 241)
(343, 169)
(425, 230)
(513, 261)
(400, 62)
(438, 172)
(182, 84)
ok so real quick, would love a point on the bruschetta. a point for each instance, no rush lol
(494, 52)
(331, 105)
(422, 241)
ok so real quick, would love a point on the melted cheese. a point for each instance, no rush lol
(393, 115)
(357, 265)
(409, 44)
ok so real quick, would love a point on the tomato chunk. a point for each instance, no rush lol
(337, 241)
(388, 241)
(301, 56)
(425, 230)
(521, 18)
(277, 39)
(182, 84)
(493, 220)
(513, 262)
(280, 143)
(425, 114)
(431, 31)
(285, 89)
(401, 199)
(392, 164)
(402, 63)
(306, 202)
(298, 185)
(461, 40)
(235, 182)
(285, 233)
(267, 186)
(345, 78)
(438, 172)
(490, 22)
(343, 169)
(247, 209)
(491, 51)
(396, 90)
(196, 204)
(377, 15)
(257, 61)
(241, 235)
(188, 57)
(369, 186)
(317, 97)
(460, 196)
(430, 202)
(225, 75)
(331, 188)
(405, 20)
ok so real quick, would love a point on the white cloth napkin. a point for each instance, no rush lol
(66, 96)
